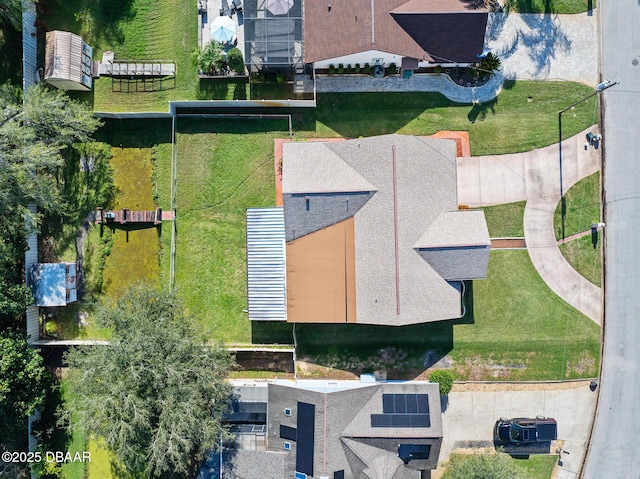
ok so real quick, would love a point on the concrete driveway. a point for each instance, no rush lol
(470, 416)
(545, 46)
(534, 176)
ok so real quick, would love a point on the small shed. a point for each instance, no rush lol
(53, 284)
(68, 61)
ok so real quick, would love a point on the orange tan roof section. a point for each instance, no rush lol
(321, 280)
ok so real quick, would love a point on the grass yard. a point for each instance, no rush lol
(582, 207)
(505, 221)
(584, 257)
(68, 441)
(135, 252)
(552, 6)
(224, 167)
(510, 123)
(134, 30)
(533, 467)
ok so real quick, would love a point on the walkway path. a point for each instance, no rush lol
(534, 176)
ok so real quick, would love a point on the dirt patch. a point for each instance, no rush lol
(265, 361)
(508, 243)
(518, 386)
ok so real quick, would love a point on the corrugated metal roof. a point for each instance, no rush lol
(29, 49)
(266, 264)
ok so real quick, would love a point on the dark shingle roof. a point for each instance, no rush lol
(446, 37)
(416, 29)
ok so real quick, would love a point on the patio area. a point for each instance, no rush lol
(208, 11)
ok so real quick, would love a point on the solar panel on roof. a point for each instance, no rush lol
(306, 440)
(423, 403)
(387, 403)
(287, 432)
(403, 410)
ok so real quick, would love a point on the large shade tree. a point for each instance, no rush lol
(156, 394)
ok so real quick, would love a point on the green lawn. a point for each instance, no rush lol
(505, 221)
(534, 466)
(551, 6)
(67, 440)
(585, 259)
(582, 207)
(224, 167)
(508, 124)
(134, 30)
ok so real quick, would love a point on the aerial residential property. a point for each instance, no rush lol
(373, 234)
(309, 239)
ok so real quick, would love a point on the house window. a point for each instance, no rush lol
(287, 412)
(287, 445)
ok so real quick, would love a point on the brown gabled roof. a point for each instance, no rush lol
(411, 28)
(348, 28)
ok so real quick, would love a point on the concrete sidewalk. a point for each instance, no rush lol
(534, 176)
(551, 265)
(470, 416)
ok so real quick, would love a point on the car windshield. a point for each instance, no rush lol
(515, 432)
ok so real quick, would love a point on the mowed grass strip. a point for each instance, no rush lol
(134, 255)
(224, 167)
(585, 257)
(523, 117)
(505, 221)
(552, 6)
(133, 30)
(582, 207)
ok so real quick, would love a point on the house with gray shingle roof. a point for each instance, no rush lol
(345, 429)
(372, 235)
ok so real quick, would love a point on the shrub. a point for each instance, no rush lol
(438, 69)
(235, 60)
(332, 69)
(357, 68)
(444, 379)
(51, 328)
(340, 68)
(367, 69)
(392, 69)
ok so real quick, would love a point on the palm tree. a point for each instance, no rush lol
(209, 58)
(489, 65)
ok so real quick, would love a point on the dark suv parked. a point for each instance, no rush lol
(524, 430)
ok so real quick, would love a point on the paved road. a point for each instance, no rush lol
(614, 447)
(470, 416)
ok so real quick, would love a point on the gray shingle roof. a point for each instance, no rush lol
(456, 228)
(414, 206)
(344, 439)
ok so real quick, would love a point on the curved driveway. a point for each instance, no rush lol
(534, 176)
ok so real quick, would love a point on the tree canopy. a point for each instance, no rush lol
(23, 382)
(209, 58)
(157, 392)
(491, 465)
(11, 11)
